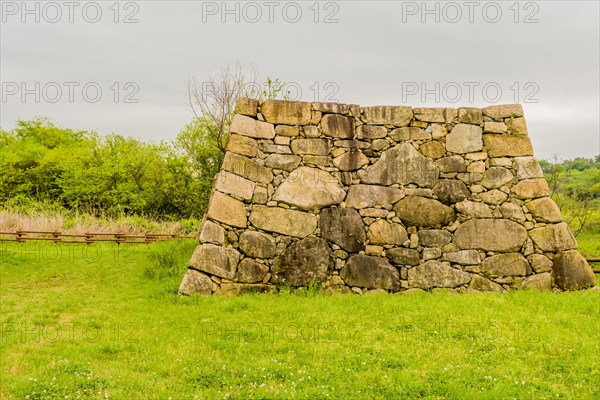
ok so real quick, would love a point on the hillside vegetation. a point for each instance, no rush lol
(52, 175)
(575, 186)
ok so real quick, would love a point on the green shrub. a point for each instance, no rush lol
(113, 175)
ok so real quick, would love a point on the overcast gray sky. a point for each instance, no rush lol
(543, 54)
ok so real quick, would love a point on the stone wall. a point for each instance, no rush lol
(388, 198)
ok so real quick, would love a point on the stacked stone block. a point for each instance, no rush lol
(381, 198)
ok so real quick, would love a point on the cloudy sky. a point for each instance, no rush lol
(123, 67)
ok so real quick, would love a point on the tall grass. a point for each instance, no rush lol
(41, 219)
(168, 259)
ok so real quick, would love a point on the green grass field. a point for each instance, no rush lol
(102, 321)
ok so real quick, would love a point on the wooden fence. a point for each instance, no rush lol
(88, 237)
(594, 260)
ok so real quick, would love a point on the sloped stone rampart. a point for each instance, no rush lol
(381, 198)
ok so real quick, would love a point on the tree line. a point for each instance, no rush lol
(50, 167)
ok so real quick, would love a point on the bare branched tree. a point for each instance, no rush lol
(577, 212)
(553, 176)
(213, 100)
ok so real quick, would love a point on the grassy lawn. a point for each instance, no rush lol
(99, 321)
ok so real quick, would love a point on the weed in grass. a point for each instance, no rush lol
(168, 259)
